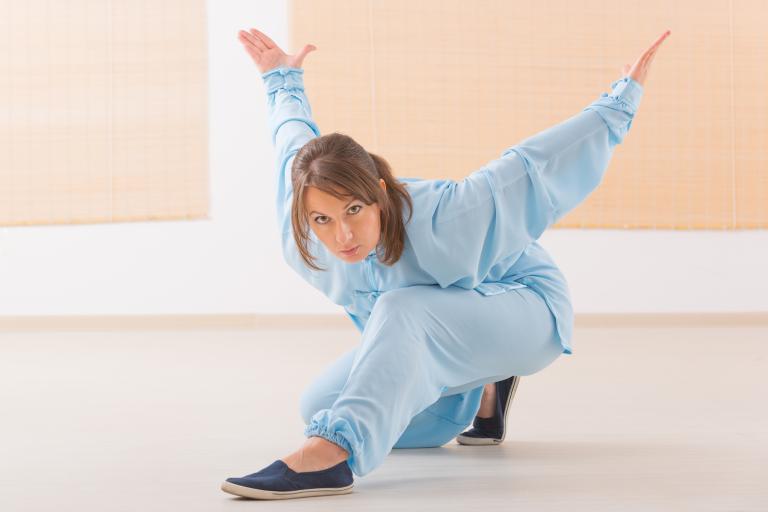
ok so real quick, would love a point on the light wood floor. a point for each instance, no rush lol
(638, 419)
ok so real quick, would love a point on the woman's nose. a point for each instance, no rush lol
(343, 234)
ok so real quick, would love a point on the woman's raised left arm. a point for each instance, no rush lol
(566, 162)
(495, 212)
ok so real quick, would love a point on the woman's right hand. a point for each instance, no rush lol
(266, 54)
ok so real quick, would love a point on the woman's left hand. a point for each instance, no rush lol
(639, 69)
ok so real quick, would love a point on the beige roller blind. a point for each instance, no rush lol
(441, 87)
(103, 111)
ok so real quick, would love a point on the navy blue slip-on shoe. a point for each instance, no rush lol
(278, 482)
(492, 430)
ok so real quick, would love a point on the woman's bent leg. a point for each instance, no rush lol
(425, 342)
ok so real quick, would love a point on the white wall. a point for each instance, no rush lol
(231, 263)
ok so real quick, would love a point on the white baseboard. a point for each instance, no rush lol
(326, 321)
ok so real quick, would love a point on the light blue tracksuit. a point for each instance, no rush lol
(473, 299)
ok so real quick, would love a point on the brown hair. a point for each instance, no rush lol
(338, 165)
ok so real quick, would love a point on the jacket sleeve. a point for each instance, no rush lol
(497, 210)
(291, 126)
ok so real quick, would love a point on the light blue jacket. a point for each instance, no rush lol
(477, 233)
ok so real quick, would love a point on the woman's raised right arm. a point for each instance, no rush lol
(289, 114)
(290, 126)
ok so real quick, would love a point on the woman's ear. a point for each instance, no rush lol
(383, 184)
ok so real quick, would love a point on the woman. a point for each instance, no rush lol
(445, 280)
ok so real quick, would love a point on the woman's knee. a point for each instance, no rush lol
(544, 357)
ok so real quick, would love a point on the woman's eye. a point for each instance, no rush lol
(322, 219)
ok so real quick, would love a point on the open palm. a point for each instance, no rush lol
(266, 54)
(639, 70)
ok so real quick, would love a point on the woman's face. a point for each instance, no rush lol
(346, 223)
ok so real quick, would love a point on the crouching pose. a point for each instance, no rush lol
(453, 296)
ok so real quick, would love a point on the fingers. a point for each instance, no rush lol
(254, 52)
(647, 57)
(660, 40)
(256, 37)
(265, 38)
(259, 39)
(248, 40)
(651, 54)
(249, 46)
(655, 46)
(253, 40)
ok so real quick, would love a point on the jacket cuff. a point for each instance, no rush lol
(627, 90)
(283, 77)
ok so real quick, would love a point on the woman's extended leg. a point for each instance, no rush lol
(434, 426)
(423, 342)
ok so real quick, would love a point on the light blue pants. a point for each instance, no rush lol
(417, 376)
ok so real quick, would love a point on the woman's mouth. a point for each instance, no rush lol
(351, 252)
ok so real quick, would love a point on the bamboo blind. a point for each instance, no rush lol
(103, 111)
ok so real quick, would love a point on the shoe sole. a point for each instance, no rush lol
(262, 494)
(476, 441)
(484, 441)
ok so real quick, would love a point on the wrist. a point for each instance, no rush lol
(282, 69)
(283, 77)
(628, 90)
